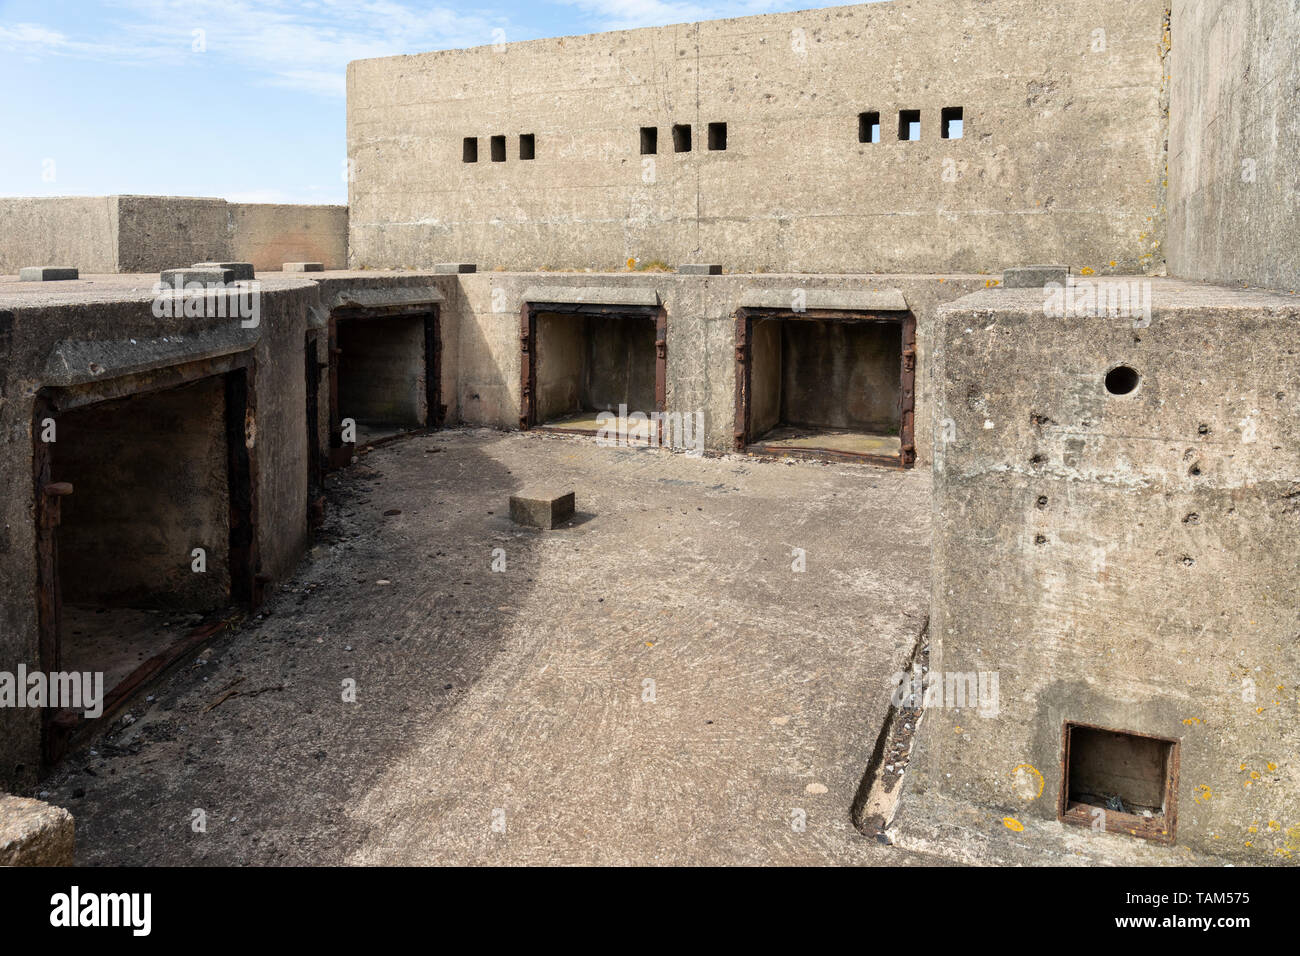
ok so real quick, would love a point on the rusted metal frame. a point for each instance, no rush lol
(333, 352)
(907, 394)
(1159, 829)
(661, 360)
(312, 378)
(246, 581)
(744, 366)
(435, 411)
(527, 365)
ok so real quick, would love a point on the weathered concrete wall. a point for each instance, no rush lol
(79, 232)
(1234, 143)
(842, 374)
(1062, 157)
(561, 369)
(151, 484)
(622, 363)
(269, 235)
(167, 232)
(1121, 560)
(765, 376)
(106, 234)
(382, 370)
(701, 335)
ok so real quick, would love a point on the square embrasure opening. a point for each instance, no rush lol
(1131, 776)
(382, 374)
(144, 550)
(826, 387)
(589, 364)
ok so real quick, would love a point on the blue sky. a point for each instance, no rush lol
(104, 98)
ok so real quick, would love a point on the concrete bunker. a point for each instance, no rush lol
(384, 374)
(826, 383)
(582, 359)
(1132, 777)
(145, 522)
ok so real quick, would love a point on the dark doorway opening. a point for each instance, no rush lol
(1119, 781)
(582, 360)
(385, 373)
(146, 524)
(826, 384)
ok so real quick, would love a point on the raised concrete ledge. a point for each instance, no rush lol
(1034, 277)
(242, 270)
(373, 298)
(47, 273)
(179, 278)
(883, 300)
(590, 295)
(699, 269)
(33, 833)
(76, 361)
(455, 268)
(304, 267)
(941, 827)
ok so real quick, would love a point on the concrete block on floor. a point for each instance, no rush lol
(242, 270)
(1034, 277)
(46, 273)
(179, 278)
(699, 269)
(33, 833)
(455, 268)
(304, 267)
(541, 507)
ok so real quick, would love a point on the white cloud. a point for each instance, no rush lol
(29, 37)
(303, 45)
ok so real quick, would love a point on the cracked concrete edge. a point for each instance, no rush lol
(932, 825)
(34, 833)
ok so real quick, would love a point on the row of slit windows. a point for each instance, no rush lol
(951, 125)
(717, 138)
(497, 148)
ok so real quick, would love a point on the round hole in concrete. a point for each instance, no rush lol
(1121, 380)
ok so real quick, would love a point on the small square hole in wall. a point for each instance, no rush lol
(469, 151)
(869, 127)
(527, 146)
(682, 138)
(717, 136)
(950, 122)
(1126, 781)
(649, 140)
(909, 124)
(498, 149)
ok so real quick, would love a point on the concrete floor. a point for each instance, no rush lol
(117, 640)
(844, 440)
(507, 717)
